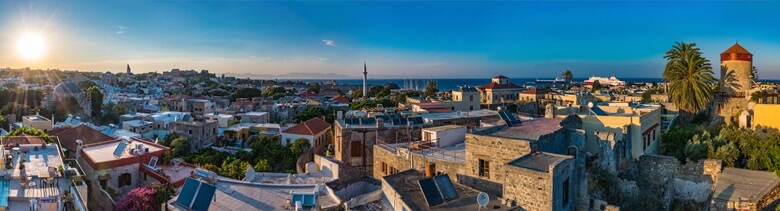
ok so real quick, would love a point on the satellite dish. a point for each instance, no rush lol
(590, 104)
(483, 199)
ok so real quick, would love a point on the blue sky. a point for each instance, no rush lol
(396, 39)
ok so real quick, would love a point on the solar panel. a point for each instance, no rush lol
(120, 148)
(204, 197)
(503, 115)
(446, 187)
(402, 121)
(368, 121)
(430, 192)
(187, 193)
(416, 120)
(305, 199)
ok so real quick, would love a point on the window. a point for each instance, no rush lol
(215, 131)
(471, 108)
(484, 168)
(565, 192)
(384, 167)
(124, 179)
(190, 132)
(357, 149)
(471, 97)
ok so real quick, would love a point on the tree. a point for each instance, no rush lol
(690, 78)
(299, 146)
(357, 94)
(567, 75)
(262, 166)
(137, 200)
(30, 132)
(233, 168)
(312, 112)
(162, 192)
(431, 89)
(313, 87)
(596, 86)
(180, 146)
(84, 85)
(96, 100)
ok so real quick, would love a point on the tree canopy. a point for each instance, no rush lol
(690, 77)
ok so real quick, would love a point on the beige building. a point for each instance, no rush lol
(534, 94)
(639, 124)
(38, 122)
(498, 91)
(465, 98)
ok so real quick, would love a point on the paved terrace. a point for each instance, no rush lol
(530, 129)
(455, 153)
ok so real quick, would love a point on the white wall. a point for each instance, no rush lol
(292, 137)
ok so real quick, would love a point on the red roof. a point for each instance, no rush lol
(339, 99)
(499, 86)
(736, 48)
(87, 135)
(309, 127)
(536, 91)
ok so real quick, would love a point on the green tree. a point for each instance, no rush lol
(299, 146)
(567, 75)
(754, 74)
(357, 94)
(162, 192)
(233, 168)
(690, 78)
(431, 89)
(30, 132)
(262, 166)
(180, 147)
(96, 100)
(312, 112)
(596, 86)
(84, 85)
(313, 87)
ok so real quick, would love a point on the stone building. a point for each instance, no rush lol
(465, 98)
(316, 130)
(199, 133)
(638, 124)
(536, 165)
(354, 138)
(736, 65)
(498, 91)
(70, 89)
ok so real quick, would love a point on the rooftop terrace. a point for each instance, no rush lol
(529, 129)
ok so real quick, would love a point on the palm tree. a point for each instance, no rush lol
(567, 75)
(690, 78)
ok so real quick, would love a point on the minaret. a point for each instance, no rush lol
(365, 76)
(128, 69)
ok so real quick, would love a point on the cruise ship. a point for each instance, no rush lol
(612, 81)
(553, 81)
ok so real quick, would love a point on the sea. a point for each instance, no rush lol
(453, 83)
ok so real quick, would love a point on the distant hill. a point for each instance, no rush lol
(294, 75)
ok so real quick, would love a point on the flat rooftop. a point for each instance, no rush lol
(406, 184)
(539, 161)
(36, 118)
(736, 184)
(443, 128)
(105, 151)
(239, 195)
(530, 129)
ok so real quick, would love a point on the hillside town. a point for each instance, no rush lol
(195, 140)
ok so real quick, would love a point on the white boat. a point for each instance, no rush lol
(553, 81)
(611, 81)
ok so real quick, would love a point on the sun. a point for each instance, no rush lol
(31, 46)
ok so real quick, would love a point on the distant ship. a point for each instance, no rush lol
(553, 81)
(612, 81)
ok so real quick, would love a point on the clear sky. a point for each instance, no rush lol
(396, 39)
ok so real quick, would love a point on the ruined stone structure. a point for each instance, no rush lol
(353, 143)
(690, 182)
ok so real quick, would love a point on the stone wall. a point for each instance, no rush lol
(691, 182)
(496, 151)
(531, 190)
(343, 138)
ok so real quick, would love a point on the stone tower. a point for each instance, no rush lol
(128, 69)
(736, 64)
(365, 77)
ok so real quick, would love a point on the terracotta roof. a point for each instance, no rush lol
(87, 135)
(736, 48)
(309, 127)
(339, 99)
(22, 139)
(536, 91)
(500, 76)
(499, 86)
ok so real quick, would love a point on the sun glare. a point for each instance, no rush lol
(31, 46)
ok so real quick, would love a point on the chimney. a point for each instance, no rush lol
(430, 170)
